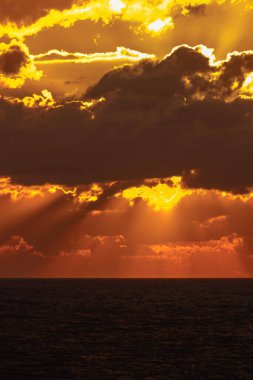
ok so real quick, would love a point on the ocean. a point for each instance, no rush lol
(126, 329)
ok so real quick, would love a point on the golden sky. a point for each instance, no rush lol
(126, 138)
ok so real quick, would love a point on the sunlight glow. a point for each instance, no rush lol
(247, 86)
(60, 56)
(160, 197)
(159, 25)
(117, 5)
(90, 195)
(19, 192)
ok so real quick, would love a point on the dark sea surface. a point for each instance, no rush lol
(126, 329)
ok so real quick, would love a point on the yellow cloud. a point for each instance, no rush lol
(159, 25)
(90, 195)
(161, 196)
(46, 100)
(117, 5)
(18, 192)
(149, 17)
(61, 56)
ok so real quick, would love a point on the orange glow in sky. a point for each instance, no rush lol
(126, 131)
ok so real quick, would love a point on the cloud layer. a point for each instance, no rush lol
(97, 231)
(184, 115)
(139, 170)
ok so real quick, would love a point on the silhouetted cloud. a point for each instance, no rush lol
(16, 65)
(184, 115)
(27, 11)
(12, 60)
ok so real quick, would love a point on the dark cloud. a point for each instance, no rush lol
(12, 59)
(197, 9)
(151, 79)
(27, 11)
(159, 119)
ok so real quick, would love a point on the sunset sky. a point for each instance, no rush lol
(126, 138)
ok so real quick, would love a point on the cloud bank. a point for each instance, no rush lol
(185, 115)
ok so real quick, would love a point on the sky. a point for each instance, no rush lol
(126, 138)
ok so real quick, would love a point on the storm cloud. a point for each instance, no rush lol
(184, 115)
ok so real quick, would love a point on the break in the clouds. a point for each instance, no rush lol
(186, 115)
(96, 231)
(125, 151)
